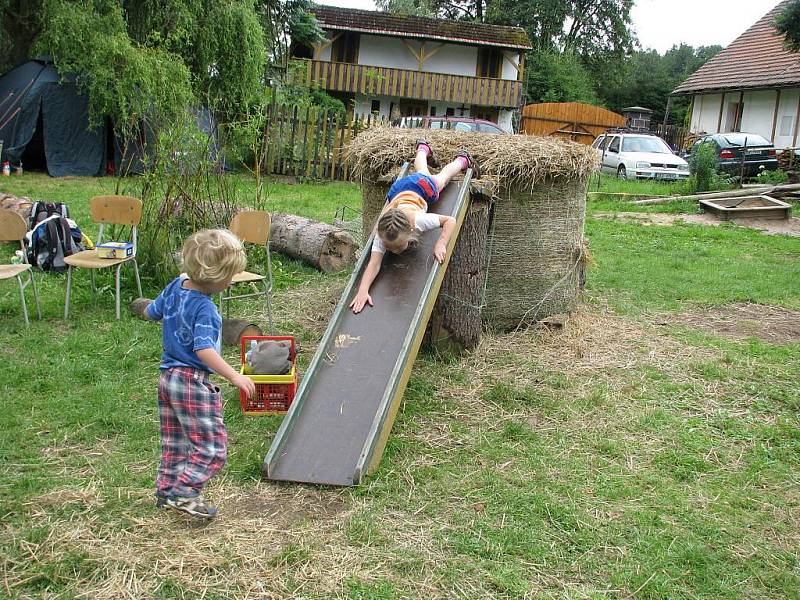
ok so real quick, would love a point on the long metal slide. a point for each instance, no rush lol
(337, 427)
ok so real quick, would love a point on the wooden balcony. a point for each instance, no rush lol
(418, 85)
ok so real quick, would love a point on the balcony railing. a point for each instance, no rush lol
(418, 85)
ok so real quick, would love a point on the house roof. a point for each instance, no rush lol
(381, 23)
(756, 59)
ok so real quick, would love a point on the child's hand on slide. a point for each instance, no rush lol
(361, 299)
(439, 252)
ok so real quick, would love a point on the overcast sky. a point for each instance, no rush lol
(660, 24)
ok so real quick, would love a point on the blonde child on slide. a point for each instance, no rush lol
(405, 215)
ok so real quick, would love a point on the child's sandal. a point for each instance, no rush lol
(471, 164)
(431, 158)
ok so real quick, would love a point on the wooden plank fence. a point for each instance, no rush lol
(310, 141)
(569, 120)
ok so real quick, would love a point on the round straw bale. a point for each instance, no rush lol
(505, 160)
(536, 253)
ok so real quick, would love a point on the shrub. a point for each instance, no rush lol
(702, 164)
(772, 177)
(183, 190)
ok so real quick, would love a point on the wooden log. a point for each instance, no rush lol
(455, 324)
(753, 191)
(323, 246)
(234, 329)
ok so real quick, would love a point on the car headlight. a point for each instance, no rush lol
(683, 167)
(640, 164)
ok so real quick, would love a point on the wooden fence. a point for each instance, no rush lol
(569, 120)
(310, 141)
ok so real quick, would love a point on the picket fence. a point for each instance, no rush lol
(309, 141)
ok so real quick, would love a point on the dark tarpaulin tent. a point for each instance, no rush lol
(44, 123)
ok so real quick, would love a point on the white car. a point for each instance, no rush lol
(639, 156)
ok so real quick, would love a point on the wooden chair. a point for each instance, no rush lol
(252, 226)
(108, 210)
(13, 229)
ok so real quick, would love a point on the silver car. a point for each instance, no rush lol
(639, 156)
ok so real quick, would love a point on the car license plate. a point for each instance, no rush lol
(666, 176)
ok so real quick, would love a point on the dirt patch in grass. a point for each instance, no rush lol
(789, 227)
(743, 320)
(283, 505)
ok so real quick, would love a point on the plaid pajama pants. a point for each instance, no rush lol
(193, 436)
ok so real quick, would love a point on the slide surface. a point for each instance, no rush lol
(338, 424)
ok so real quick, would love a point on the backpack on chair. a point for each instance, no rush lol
(52, 237)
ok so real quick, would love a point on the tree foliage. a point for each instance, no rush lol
(788, 25)
(89, 40)
(155, 56)
(288, 19)
(648, 78)
(551, 76)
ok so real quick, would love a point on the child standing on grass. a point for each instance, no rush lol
(406, 213)
(193, 435)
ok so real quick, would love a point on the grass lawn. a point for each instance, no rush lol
(650, 449)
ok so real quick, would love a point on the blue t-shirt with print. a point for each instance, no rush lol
(191, 323)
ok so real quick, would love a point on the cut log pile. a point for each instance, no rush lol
(782, 192)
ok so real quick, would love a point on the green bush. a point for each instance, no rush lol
(770, 177)
(702, 164)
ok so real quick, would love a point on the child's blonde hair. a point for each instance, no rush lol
(393, 223)
(213, 256)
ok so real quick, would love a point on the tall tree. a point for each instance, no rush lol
(648, 78)
(788, 25)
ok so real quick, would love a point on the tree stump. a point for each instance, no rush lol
(455, 324)
(323, 246)
(234, 329)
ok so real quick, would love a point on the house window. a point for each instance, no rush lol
(786, 126)
(376, 106)
(450, 112)
(433, 111)
(490, 62)
(345, 48)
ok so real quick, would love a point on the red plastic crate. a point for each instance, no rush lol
(274, 393)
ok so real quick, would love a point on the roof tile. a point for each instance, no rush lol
(756, 59)
(381, 23)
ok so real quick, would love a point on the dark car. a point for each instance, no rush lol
(455, 123)
(731, 148)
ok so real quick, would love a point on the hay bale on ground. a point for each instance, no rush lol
(537, 253)
(538, 185)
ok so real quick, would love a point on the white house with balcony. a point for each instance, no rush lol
(396, 66)
(752, 86)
